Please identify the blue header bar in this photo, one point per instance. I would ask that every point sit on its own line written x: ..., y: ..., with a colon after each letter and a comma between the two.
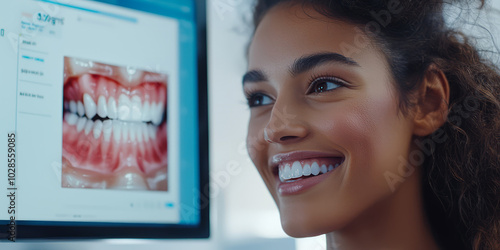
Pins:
x: 109, y: 14
x: 178, y: 9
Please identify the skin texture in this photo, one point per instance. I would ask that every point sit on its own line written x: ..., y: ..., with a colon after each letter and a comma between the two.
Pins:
x: 355, y: 205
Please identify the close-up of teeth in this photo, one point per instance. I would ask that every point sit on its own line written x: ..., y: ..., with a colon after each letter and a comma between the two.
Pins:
x: 126, y: 109
x: 121, y: 131
x: 298, y: 170
x: 114, y: 126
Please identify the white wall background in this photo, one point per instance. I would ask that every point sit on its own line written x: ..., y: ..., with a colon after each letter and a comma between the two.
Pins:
x: 243, y: 213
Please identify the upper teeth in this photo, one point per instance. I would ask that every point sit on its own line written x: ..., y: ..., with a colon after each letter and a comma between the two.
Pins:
x: 127, y: 109
x: 296, y: 170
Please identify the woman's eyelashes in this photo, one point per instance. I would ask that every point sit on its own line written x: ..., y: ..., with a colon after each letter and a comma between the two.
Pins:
x: 325, y: 84
x: 317, y: 85
x: 258, y: 99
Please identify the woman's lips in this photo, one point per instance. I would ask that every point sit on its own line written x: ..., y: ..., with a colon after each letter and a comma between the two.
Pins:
x: 300, y: 185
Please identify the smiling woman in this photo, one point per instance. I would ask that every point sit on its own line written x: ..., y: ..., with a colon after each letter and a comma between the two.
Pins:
x: 372, y: 122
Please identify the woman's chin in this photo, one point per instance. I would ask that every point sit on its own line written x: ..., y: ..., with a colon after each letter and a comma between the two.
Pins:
x: 304, y: 226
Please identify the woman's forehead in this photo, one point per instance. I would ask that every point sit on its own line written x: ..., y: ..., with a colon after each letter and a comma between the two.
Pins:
x: 289, y: 32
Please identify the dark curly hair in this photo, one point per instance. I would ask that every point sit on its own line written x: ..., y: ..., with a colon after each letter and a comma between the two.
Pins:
x: 461, y: 180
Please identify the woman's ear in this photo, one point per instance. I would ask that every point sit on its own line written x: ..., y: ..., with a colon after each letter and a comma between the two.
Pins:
x: 432, y: 103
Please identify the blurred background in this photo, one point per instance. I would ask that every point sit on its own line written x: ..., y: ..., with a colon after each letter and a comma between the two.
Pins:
x: 243, y: 215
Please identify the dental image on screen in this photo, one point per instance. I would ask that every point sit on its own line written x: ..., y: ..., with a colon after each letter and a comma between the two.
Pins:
x: 114, y: 127
x: 103, y: 102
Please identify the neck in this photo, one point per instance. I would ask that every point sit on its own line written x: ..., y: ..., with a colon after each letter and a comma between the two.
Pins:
x: 398, y: 222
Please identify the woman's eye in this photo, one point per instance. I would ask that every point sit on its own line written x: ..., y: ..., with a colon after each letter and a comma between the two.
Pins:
x: 324, y: 85
x: 258, y: 99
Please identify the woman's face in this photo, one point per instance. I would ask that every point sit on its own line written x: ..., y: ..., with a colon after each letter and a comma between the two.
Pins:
x: 319, y: 99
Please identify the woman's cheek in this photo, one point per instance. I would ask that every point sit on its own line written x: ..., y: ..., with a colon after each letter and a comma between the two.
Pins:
x: 256, y: 145
x: 375, y: 139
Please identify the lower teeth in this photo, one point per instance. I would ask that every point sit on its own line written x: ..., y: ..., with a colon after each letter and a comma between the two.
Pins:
x: 300, y: 178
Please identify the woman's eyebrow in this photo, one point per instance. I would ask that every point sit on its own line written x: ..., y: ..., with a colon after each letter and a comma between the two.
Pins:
x: 254, y: 76
x: 303, y: 64
x: 308, y: 62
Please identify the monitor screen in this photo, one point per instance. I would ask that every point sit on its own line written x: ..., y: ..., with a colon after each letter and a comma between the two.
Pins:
x: 104, y: 119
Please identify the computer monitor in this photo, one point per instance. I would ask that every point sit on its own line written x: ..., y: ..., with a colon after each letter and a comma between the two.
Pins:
x: 104, y: 119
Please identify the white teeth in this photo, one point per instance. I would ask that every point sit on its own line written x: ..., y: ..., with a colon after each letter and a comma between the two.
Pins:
x: 117, y: 129
x: 152, y: 131
x: 124, y: 104
x: 307, y: 170
x: 296, y: 170
x: 157, y: 113
x: 132, y: 109
x: 287, y: 173
x: 90, y: 106
x: 136, y: 112
x: 80, y: 109
x: 107, y: 128
x: 121, y: 131
x: 324, y: 169
x: 315, y: 168
x: 138, y: 131
x: 102, y: 107
x: 152, y: 111
x: 112, y: 109
x: 71, y: 118
x: 97, y: 128
x: 146, y: 112
x: 124, y: 131
x: 125, y: 109
x: 88, y: 126
x: 132, y: 131
x: 80, y: 124
x: 72, y: 106
x: 145, y: 132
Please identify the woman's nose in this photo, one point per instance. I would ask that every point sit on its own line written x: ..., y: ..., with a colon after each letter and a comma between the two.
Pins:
x: 284, y: 126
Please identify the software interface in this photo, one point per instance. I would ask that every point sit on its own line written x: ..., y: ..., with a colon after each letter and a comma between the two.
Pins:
x: 98, y: 112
